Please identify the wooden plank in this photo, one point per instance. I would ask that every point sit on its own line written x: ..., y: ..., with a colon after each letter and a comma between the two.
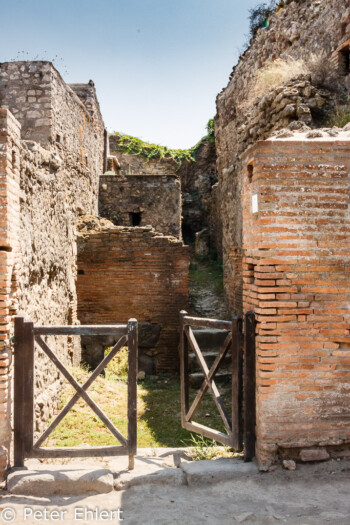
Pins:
x: 132, y: 390
x: 198, y: 322
x: 19, y: 394
x: 210, y: 382
x: 82, y: 330
x: 122, y: 341
x: 249, y: 386
x: 237, y: 384
x: 23, y: 390
x: 76, y: 452
x: 28, y: 356
x: 82, y: 392
x: 184, y: 371
x: 209, y: 433
x: 214, y: 368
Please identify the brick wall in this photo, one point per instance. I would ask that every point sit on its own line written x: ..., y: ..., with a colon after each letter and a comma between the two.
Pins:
x: 296, y: 271
x: 9, y: 226
x: 157, y: 200
x: 134, y: 272
x: 299, y: 30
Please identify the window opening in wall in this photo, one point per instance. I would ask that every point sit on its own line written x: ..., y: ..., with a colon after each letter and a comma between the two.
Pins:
x: 135, y: 218
x: 81, y: 272
x: 13, y: 159
x: 344, y: 60
x: 250, y: 169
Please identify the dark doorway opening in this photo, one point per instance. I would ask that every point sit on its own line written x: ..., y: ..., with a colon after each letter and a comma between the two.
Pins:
x: 135, y: 218
x: 345, y: 60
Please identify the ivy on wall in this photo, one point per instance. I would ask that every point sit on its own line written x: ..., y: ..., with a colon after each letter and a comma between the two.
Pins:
x: 136, y: 146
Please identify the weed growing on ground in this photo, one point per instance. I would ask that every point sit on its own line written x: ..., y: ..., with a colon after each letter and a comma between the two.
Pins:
x: 201, y: 448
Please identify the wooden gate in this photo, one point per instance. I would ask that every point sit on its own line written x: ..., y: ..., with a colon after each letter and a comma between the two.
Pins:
x: 240, y: 425
x: 26, y: 335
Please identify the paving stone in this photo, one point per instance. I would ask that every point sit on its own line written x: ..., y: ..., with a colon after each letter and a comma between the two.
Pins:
x: 213, y: 471
x: 63, y: 481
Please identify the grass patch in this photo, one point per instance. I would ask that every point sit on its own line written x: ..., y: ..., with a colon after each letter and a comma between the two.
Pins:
x: 159, y: 413
x: 207, y: 273
x: 341, y: 117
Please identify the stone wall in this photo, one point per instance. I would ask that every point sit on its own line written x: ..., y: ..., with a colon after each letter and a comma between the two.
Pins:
x: 197, y: 180
x: 296, y: 269
x: 48, y: 110
x: 45, y: 190
x: 134, y: 272
x: 142, y: 200
x: 199, y: 206
x: 297, y: 30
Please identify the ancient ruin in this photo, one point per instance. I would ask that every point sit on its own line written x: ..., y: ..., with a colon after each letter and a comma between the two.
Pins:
x: 86, y: 221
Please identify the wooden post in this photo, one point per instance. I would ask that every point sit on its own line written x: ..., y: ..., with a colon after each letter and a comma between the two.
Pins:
x: 184, y: 379
x: 249, y: 386
x: 23, y: 390
x: 237, y: 383
x: 132, y: 390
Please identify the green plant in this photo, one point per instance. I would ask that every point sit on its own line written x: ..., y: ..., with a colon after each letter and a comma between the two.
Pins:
x: 136, y: 146
x: 118, y: 367
x: 210, y: 127
x: 201, y: 448
x: 341, y: 116
x: 259, y: 16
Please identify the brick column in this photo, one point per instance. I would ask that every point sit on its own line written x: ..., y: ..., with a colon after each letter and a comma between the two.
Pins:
x: 9, y: 226
x: 296, y: 269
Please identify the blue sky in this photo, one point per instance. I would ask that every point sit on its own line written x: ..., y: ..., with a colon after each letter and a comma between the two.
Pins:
x: 157, y: 64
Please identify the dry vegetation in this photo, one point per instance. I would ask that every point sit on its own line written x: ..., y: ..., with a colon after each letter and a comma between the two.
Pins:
x: 324, y: 74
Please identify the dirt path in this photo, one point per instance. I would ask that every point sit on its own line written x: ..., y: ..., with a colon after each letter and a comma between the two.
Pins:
x: 206, y: 290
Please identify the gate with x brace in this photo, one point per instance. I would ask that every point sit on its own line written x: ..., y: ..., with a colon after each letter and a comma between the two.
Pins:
x: 239, y: 425
x: 27, y: 336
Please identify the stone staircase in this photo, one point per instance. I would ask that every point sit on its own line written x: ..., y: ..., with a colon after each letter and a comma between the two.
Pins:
x: 210, y: 342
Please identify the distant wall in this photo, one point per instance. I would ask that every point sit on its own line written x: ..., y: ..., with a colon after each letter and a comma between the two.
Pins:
x: 147, y: 199
x: 296, y: 268
x: 197, y: 180
x: 135, y: 272
x: 138, y: 164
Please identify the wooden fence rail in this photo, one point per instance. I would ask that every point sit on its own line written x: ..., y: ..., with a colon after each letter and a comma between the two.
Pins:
x: 26, y: 335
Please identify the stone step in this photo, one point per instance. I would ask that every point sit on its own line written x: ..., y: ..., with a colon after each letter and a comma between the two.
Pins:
x: 196, y: 378
x: 209, y: 338
x: 209, y: 359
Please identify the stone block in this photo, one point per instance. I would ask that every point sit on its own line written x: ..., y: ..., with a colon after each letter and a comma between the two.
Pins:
x: 65, y: 481
x: 314, y: 454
